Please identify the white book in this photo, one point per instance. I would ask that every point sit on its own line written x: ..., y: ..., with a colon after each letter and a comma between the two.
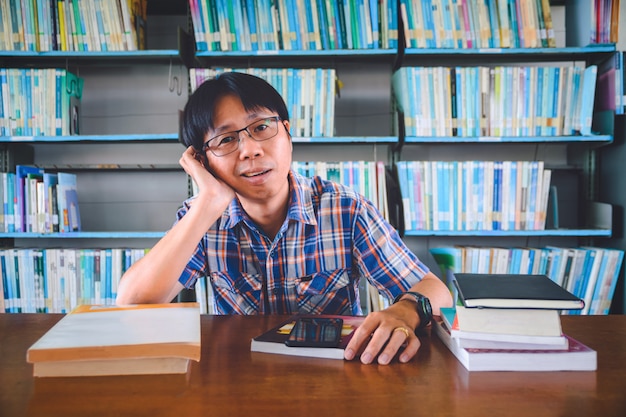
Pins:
x: 112, y: 340
x: 509, y: 325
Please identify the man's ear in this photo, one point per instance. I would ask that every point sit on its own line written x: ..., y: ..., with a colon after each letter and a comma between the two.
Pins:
x: 287, y: 126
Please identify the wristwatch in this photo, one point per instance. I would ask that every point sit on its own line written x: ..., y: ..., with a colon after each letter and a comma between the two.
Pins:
x: 424, y: 309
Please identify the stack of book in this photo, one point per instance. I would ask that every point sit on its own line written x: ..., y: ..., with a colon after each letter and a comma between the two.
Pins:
x: 512, y: 323
x: 139, y: 339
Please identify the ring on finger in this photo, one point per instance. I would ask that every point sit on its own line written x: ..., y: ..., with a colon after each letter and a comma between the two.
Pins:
x: 404, y: 330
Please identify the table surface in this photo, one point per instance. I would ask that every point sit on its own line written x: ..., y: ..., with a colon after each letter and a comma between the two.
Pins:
x: 232, y: 381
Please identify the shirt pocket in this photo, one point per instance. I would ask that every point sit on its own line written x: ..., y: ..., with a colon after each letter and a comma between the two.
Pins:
x: 325, y: 292
x: 237, y: 293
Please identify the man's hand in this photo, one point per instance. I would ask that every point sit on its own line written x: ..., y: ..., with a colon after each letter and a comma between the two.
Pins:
x: 384, y: 334
x: 195, y: 166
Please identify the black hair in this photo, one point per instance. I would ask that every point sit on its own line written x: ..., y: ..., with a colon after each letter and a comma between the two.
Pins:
x: 255, y: 93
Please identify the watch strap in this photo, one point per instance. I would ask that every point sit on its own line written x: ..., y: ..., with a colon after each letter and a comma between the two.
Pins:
x: 424, y: 309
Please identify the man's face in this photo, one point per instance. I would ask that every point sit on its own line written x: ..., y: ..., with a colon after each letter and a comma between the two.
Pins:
x: 256, y: 170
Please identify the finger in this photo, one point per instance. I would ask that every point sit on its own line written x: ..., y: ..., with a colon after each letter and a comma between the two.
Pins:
x: 184, y: 158
x: 360, y: 336
x: 400, y: 339
x: 410, y: 350
x: 375, y: 345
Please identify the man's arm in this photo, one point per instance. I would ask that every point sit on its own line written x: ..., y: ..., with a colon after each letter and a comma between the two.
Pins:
x: 154, y: 278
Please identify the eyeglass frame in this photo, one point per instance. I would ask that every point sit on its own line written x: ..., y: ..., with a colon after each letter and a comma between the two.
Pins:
x: 205, y: 145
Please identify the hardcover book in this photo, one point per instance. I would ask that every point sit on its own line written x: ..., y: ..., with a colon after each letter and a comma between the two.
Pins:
x: 273, y: 341
x: 514, y: 291
x: 110, y: 340
x: 499, y: 328
x: 577, y: 357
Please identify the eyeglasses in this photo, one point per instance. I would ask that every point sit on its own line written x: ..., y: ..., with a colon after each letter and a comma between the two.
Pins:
x: 227, y: 143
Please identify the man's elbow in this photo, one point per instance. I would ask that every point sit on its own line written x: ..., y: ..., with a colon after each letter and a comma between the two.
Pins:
x: 123, y: 297
x: 127, y: 294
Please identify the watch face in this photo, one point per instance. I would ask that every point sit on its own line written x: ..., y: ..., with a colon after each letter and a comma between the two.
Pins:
x: 427, y: 307
x: 425, y: 311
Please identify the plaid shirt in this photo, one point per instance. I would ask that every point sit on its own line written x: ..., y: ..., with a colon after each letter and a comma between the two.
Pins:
x: 331, y: 238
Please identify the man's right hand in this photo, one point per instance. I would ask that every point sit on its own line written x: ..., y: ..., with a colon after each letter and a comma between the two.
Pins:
x: 205, y: 180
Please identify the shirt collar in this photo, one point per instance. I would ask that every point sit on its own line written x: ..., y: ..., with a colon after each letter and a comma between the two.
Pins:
x: 300, y: 204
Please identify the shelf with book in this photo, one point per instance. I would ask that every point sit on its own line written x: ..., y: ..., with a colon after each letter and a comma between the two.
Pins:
x: 124, y: 156
x: 156, y: 137
x: 572, y: 157
x: 128, y: 116
x: 365, y: 72
x: 342, y: 54
x: 343, y: 140
x: 582, y: 233
x: 77, y: 56
x: 83, y: 235
x: 49, y: 59
x: 559, y: 53
x: 596, y: 139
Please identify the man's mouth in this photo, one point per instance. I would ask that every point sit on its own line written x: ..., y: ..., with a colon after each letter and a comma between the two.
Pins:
x: 255, y: 173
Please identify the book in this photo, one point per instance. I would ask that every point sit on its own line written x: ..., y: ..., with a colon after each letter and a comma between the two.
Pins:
x: 583, y: 15
x: 527, y: 329
x: 577, y: 357
x: 21, y: 197
x: 273, y: 340
x: 514, y: 291
x: 127, y: 340
x: 68, y: 210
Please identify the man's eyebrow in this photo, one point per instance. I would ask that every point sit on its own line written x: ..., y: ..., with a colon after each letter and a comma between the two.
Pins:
x: 225, y: 128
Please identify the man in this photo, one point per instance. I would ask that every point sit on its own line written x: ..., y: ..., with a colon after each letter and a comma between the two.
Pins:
x: 273, y: 242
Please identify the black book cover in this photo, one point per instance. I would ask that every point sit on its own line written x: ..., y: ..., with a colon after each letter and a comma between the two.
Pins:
x: 514, y: 291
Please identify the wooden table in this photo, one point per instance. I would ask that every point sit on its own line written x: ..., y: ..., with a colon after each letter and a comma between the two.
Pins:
x: 232, y: 381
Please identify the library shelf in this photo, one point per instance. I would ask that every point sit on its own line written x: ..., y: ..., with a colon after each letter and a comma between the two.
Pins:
x: 106, y: 58
x: 514, y: 233
x: 345, y: 139
x: 151, y: 137
x: 602, y: 139
x: 83, y: 235
x: 542, y: 53
x: 143, y: 53
x: 340, y: 53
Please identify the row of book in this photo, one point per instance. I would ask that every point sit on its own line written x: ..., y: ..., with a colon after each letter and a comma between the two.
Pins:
x: 365, y: 177
x: 57, y: 280
x: 513, y: 101
x: 37, y: 201
x: 308, y: 93
x: 596, y: 22
x: 264, y: 25
x: 496, y: 101
x: 506, y: 322
x: 590, y: 273
x: 73, y: 25
x: 39, y: 102
x: 474, y: 195
x: 477, y: 24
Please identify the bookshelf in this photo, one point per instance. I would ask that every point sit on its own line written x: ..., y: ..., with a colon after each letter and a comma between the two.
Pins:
x: 585, y: 217
x: 150, y: 86
x: 130, y: 103
x: 126, y: 154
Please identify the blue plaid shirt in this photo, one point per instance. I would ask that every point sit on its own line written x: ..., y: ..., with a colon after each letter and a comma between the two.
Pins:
x: 332, y: 237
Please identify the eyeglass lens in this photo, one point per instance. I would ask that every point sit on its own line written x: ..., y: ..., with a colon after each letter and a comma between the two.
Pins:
x: 259, y: 130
